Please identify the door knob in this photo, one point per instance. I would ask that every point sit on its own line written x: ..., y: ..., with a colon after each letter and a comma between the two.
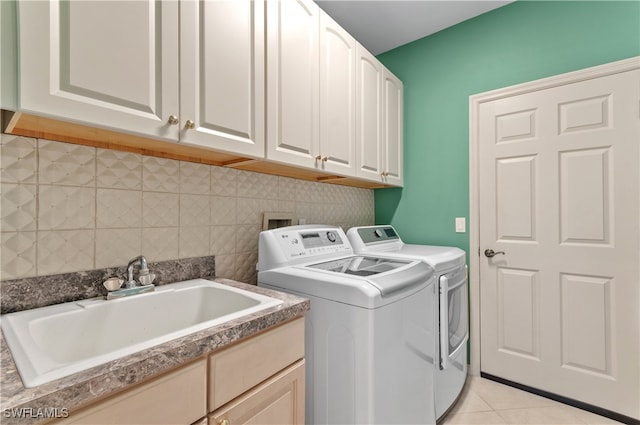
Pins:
x: 491, y: 253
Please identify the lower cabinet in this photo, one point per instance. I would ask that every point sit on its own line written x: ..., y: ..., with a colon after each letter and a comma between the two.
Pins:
x: 178, y: 397
x: 257, y: 380
x: 279, y: 400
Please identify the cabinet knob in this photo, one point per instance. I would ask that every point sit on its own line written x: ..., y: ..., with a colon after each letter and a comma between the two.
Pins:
x: 318, y: 157
x: 325, y: 159
x: 384, y: 173
x: 224, y: 422
x: 173, y: 120
x: 189, y: 124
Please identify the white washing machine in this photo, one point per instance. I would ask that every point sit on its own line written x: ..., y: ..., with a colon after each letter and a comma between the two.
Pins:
x: 450, y: 267
x: 369, y: 341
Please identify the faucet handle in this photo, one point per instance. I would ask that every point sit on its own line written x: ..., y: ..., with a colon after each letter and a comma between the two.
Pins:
x: 146, y: 279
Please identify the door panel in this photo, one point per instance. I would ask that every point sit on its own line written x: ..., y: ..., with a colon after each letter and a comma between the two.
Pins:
x: 292, y: 81
x: 559, y: 194
x: 337, y: 98
x: 222, y: 75
x: 108, y: 64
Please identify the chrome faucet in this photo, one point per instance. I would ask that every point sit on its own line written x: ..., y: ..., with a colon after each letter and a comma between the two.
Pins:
x: 131, y: 286
x: 143, y: 273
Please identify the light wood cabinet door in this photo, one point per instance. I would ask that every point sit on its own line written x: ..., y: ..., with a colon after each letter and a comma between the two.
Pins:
x: 237, y: 369
x: 179, y: 397
x: 369, y: 135
x: 292, y: 81
x: 337, y: 98
x: 392, y: 123
x: 279, y: 400
x: 222, y: 75
x: 104, y: 63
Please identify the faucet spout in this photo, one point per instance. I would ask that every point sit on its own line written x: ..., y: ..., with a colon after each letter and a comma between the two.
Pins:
x: 144, y: 270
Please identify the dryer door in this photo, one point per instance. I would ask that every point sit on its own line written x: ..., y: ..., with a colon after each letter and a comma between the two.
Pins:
x: 454, y: 324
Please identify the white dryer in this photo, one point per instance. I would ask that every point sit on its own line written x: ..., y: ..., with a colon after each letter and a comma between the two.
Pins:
x: 450, y: 267
x: 369, y: 341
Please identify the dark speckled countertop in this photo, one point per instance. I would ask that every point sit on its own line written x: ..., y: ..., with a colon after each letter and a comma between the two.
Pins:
x: 82, y: 388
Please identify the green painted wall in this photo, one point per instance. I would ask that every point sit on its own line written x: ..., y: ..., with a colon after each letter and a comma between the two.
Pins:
x: 520, y: 42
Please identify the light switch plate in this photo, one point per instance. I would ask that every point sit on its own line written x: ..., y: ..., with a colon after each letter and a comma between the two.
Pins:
x: 461, y: 225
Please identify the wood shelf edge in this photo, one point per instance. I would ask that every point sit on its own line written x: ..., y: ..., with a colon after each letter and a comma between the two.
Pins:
x: 28, y: 125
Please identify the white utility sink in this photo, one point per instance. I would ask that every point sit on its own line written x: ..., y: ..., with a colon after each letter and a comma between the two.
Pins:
x: 52, y: 342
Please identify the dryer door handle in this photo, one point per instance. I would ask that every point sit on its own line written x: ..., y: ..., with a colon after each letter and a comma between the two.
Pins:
x: 444, y: 322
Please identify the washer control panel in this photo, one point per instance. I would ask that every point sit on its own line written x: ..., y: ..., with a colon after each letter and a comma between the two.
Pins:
x: 312, y: 242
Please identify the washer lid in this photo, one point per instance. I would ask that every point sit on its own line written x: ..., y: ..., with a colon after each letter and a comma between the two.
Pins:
x: 383, y: 273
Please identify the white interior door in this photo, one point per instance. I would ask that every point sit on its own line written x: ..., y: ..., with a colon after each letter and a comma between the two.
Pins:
x: 558, y: 193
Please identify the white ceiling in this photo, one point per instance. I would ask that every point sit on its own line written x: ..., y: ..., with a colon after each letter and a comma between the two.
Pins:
x: 381, y: 25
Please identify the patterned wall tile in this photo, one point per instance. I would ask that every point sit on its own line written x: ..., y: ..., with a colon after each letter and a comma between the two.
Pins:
x: 249, y: 211
x: 18, y: 159
x: 223, y: 210
x: 311, y: 212
x: 307, y: 191
x: 287, y: 188
x: 62, y: 251
x: 17, y: 255
x: 195, y: 178
x: 226, y: 266
x: 223, y: 240
x: 193, y: 241
x: 18, y: 207
x: 66, y: 207
x: 66, y: 164
x: 160, y: 174
x: 118, y: 208
x: 96, y: 191
x: 119, y: 170
x: 160, y: 244
x: 256, y: 185
x: 195, y: 210
x: 160, y: 209
x: 247, y: 238
x: 224, y: 181
x: 246, y: 267
x: 115, y: 247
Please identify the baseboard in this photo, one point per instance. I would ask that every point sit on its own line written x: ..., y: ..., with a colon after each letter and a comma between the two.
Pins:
x: 571, y: 402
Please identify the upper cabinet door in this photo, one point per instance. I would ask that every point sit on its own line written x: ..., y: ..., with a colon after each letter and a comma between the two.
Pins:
x: 369, y: 136
x: 222, y: 75
x: 393, y: 129
x: 337, y: 98
x: 292, y: 81
x: 103, y: 63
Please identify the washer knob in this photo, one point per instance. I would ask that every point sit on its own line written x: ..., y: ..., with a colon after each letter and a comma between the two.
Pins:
x: 331, y: 236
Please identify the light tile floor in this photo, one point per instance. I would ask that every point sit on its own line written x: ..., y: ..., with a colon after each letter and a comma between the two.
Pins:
x: 487, y: 402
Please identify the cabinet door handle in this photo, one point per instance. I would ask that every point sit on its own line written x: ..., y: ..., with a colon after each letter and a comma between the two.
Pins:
x: 173, y: 120
x: 224, y: 422
x: 325, y: 158
x: 189, y: 124
x: 318, y: 157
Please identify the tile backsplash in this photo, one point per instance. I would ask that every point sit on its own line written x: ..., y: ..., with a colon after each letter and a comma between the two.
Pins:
x: 67, y: 208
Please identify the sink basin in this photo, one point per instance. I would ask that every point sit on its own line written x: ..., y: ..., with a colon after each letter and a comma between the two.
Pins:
x: 56, y: 341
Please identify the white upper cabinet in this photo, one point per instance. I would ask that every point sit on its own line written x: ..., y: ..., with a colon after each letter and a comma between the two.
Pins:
x: 379, y: 135
x: 109, y: 64
x: 369, y: 117
x: 392, y: 124
x: 337, y: 98
x: 292, y: 81
x: 114, y: 64
x: 222, y: 75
